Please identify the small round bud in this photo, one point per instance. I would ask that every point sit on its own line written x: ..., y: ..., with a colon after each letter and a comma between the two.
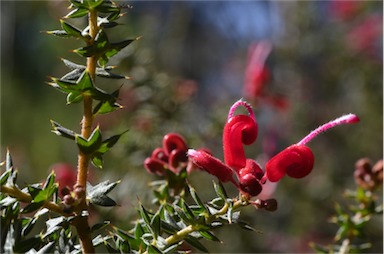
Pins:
x: 68, y: 200
x: 79, y: 191
x: 270, y: 205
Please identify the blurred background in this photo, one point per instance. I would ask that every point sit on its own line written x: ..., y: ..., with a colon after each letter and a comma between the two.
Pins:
x: 299, y: 63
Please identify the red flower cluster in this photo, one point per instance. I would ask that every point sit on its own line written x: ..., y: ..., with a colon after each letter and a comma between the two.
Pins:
x: 172, y: 156
x: 295, y: 161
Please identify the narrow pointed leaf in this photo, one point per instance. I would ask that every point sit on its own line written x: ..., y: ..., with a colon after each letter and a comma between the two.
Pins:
x: 49, y: 181
x: 77, y: 13
x: 220, y: 191
x: 145, y: 216
x: 62, y: 131
x: 209, y: 236
x: 71, y: 30
x: 32, y: 207
x: 195, y: 243
x: 4, y: 177
x: 196, y: 198
x: 156, y: 224
x: 8, y: 161
x: 97, y: 161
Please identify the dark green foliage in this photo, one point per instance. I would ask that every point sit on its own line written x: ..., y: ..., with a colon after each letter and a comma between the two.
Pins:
x: 98, y: 194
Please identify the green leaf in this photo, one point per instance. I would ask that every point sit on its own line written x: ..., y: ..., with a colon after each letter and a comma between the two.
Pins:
x: 77, y: 3
x: 187, y: 211
x: 28, y: 224
x: 4, y: 177
x: 77, y: 13
x: 71, y: 30
x: 145, y: 216
x: 220, y: 191
x: 195, y: 243
x: 61, y: 131
x: 59, y: 33
x: 97, y: 161
x: 109, y: 248
x: 82, y: 87
x: 123, y: 246
x: 152, y: 249
x: 246, y: 226
x: 93, y: 4
x: 8, y: 161
x: 139, y: 231
x: 98, y: 194
x: 50, y: 181
x: 74, y: 97
x: 78, y: 69
x: 54, y: 225
x: 105, y: 107
x: 156, y: 224
x: 109, y: 143
x: 32, y: 207
x: 196, y: 198
x: 102, y: 48
x: 90, y: 145
x: 108, y: 104
x: 209, y: 236
x: 183, y: 215
x: 25, y: 245
x: 108, y: 7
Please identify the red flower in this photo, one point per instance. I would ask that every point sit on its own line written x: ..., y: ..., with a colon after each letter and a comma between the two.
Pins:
x: 238, y: 130
x: 295, y: 161
x: 257, y: 76
x: 170, y: 156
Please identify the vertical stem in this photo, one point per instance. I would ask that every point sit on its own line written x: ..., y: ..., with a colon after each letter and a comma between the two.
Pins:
x: 81, y: 222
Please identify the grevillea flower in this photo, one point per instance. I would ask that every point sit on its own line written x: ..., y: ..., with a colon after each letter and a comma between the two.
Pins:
x: 297, y: 160
x: 246, y: 174
x: 239, y: 130
x: 169, y: 156
x: 257, y: 76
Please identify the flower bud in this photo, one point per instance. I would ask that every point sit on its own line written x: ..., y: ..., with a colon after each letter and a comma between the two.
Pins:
x: 270, y: 205
x: 174, y: 141
x: 68, y: 200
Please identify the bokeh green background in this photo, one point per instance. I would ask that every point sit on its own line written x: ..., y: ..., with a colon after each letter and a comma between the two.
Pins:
x: 187, y: 70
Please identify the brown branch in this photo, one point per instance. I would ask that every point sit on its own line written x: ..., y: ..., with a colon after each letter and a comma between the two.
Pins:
x: 81, y: 222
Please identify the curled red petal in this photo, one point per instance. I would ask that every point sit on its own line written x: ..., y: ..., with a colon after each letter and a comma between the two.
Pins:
x: 211, y: 164
x: 238, y: 130
x: 176, y: 157
x: 159, y: 153
x: 154, y: 166
x: 296, y: 161
x: 174, y: 141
